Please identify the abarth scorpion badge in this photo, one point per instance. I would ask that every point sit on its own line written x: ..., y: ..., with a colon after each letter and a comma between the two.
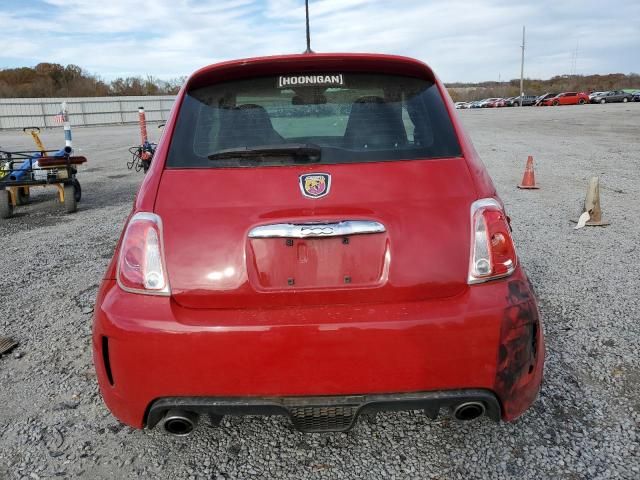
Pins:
x: 315, y: 185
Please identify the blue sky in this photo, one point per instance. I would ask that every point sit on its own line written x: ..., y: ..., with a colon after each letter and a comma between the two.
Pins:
x: 462, y: 40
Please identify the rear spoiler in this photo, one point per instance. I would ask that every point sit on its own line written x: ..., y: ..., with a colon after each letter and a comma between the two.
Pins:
x: 304, y: 63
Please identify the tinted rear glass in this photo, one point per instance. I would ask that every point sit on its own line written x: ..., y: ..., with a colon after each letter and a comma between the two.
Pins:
x: 351, y: 117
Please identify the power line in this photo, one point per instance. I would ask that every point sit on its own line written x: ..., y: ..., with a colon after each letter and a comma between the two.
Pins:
x: 522, y: 71
x: 574, y: 60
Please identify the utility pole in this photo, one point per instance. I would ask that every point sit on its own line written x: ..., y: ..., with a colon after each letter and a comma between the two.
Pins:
x: 522, y: 71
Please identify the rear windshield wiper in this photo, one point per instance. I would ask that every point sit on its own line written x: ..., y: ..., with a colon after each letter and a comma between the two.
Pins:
x: 307, y: 152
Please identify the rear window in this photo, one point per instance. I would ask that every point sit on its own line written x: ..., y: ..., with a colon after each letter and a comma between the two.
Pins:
x: 346, y: 117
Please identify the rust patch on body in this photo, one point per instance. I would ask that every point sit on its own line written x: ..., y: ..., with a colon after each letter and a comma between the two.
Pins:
x: 518, y: 350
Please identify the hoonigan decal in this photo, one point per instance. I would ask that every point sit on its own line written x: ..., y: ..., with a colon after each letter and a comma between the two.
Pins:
x: 318, y: 79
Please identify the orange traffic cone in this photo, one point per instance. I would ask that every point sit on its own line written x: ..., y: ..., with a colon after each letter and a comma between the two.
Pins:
x: 529, y: 177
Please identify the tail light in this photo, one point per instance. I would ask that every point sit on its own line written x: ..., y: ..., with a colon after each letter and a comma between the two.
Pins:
x: 493, y: 254
x: 141, y: 265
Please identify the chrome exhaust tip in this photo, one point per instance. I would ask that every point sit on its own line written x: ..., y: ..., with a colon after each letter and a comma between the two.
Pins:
x: 179, y: 422
x: 469, y: 411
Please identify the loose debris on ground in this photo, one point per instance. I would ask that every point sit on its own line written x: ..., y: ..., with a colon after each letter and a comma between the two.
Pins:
x: 585, y: 425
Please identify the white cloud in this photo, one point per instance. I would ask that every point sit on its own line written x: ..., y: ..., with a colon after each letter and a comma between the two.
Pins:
x: 462, y: 39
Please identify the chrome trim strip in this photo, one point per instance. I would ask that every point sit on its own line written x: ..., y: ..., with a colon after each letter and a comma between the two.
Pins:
x: 311, y: 230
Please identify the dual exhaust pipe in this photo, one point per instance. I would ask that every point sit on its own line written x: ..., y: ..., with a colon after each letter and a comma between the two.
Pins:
x: 181, y: 423
x: 469, y: 411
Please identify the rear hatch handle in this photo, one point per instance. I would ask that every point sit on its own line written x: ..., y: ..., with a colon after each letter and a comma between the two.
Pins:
x: 309, y: 230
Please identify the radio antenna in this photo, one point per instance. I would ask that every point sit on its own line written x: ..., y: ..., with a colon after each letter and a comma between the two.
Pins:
x: 306, y: 6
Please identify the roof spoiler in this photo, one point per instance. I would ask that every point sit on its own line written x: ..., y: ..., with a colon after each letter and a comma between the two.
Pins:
x: 303, y: 63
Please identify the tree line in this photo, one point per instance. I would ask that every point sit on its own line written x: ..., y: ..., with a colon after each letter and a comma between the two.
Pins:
x: 54, y: 80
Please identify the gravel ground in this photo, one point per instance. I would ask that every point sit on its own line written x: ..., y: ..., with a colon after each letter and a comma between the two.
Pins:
x: 585, y: 423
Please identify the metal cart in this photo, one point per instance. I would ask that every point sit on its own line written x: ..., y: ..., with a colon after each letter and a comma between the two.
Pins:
x: 22, y: 171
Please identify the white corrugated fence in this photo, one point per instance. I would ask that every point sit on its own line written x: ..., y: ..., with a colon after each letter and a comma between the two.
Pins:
x: 83, y: 111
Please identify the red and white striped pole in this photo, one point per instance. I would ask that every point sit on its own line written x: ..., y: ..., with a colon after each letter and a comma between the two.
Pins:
x: 67, y: 126
x: 142, y: 120
x: 145, y: 154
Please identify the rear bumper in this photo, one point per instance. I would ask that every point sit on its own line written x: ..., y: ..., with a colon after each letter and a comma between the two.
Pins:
x: 323, y: 414
x: 149, y: 348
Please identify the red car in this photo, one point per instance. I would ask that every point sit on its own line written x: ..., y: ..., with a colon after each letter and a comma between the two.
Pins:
x: 316, y: 237
x: 567, y: 98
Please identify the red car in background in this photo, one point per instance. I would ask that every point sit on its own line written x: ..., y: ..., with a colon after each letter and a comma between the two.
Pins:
x: 316, y: 237
x: 567, y: 98
x: 492, y: 103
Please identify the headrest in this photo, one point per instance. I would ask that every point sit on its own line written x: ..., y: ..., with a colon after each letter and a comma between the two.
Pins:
x: 373, y: 123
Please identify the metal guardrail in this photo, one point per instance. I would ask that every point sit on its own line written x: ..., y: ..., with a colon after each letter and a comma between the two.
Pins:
x: 17, y: 113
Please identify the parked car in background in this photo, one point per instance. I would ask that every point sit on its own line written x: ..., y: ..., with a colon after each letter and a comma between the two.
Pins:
x: 475, y: 104
x: 614, y: 96
x: 488, y: 102
x: 460, y: 105
x: 595, y: 94
x: 567, y: 98
x: 636, y: 96
x: 527, y: 100
x: 542, y: 98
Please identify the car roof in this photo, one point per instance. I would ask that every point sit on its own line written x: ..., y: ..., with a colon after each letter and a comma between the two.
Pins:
x: 308, y: 62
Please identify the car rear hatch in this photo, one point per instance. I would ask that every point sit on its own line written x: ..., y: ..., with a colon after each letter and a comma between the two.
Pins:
x: 253, y: 218
x: 213, y: 262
